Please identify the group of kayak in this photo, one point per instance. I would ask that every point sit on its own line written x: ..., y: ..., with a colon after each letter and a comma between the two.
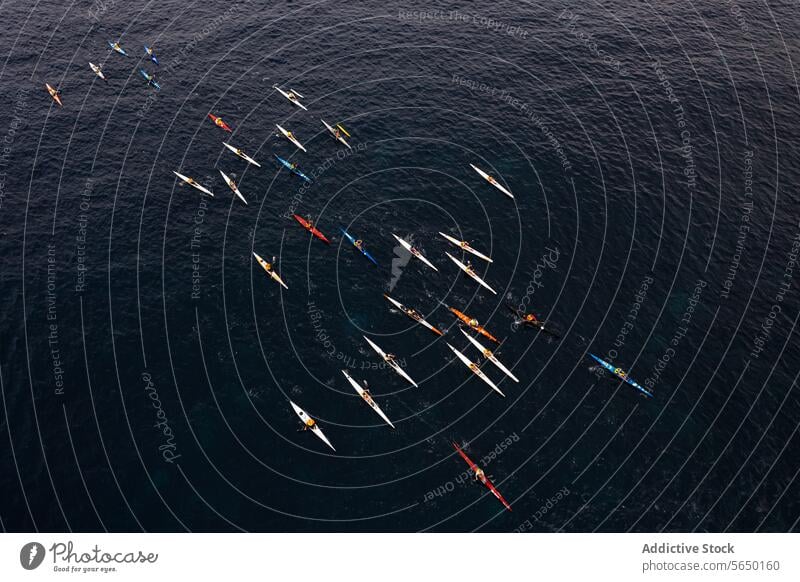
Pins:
x: 97, y: 70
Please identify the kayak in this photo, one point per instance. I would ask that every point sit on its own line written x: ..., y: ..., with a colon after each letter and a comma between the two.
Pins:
x: 54, y: 94
x: 311, y: 228
x: 362, y: 249
x: 336, y: 135
x: 480, y: 476
x: 464, y: 245
x: 98, y: 71
x: 622, y: 375
x: 470, y: 272
x: 531, y: 322
x: 290, y: 136
x: 414, y: 252
x: 241, y: 154
x: 490, y: 356
x: 413, y: 314
x: 151, y: 80
x: 270, y: 269
x: 395, y: 366
x: 310, y: 423
x: 219, y: 123
x: 476, y: 370
x: 292, y: 96
x: 232, y: 185
x: 367, y: 397
x: 292, y: 168
x: 193, y: 183
x: 149, y: 52
x: 116, y: 47
x: 492, y: 181
x: 473, y: 324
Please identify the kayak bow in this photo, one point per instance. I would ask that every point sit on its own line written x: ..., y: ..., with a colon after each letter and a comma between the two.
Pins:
x: 480, y: 476
x: 394, y: 365
x: 475, y: 370
x: 367, y: 397
x: 310, y: 424
x: 622, y: 375
x: 464, y: 245
x: 414, y: 252
x: 469, y: 271
x: 413, y: 314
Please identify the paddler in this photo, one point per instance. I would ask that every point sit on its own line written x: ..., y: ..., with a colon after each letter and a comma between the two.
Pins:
x: 390, y: 358
x: 473, y: 323
x: 480, y: 475
x: 219, y: 122
x: 309, y: 424
x: 359, y: 244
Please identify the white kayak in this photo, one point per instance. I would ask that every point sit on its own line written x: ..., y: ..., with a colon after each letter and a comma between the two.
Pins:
x: 492, y: 181
x: 232, y: 185
x: 98, y: 71
x: 336, y: 136
x: 311, y: 424
x: 475, y: 370
x: 241, y: 154
x: 292, y: 96
x: 192, y: 182
x: 395, y: 366
x: 414, y: 252
x: 464, y: 245
x: 470, y: 272
x: 413, y: 314
x: 290, y: 136
x: 270, y: 269
x: 367, y: 397
x: 489, y: 356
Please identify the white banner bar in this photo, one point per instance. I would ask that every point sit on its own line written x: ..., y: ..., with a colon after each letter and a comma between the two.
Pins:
x: 395, y: 557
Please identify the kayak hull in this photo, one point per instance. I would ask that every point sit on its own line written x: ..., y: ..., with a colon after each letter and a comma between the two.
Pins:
x: 312, y: 229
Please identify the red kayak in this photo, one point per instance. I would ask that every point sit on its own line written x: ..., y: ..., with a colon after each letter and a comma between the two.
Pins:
x: 311, y: 228
x: 218, y: 121
x: 481, y: 477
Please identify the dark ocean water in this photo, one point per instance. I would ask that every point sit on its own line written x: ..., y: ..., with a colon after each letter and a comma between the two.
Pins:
x: 652, y: 151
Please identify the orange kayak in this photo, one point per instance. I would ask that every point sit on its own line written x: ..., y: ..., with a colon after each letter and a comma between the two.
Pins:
x: 218, y: 122
x: 473, y: 324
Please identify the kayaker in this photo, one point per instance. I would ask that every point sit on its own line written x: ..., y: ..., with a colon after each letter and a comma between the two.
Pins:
x: 359, y: 244
x: 473, y: 322
x: 310, y: 423
x: 390, y: 358
x: 219, y: 122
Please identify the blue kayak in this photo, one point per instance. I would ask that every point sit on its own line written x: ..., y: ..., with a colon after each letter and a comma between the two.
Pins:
x: 150, y: 79
x: 149, y: 52
x: 292, y: 168
x: 363, y: 251
x: 619, y: 373
x: 117, y: 48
